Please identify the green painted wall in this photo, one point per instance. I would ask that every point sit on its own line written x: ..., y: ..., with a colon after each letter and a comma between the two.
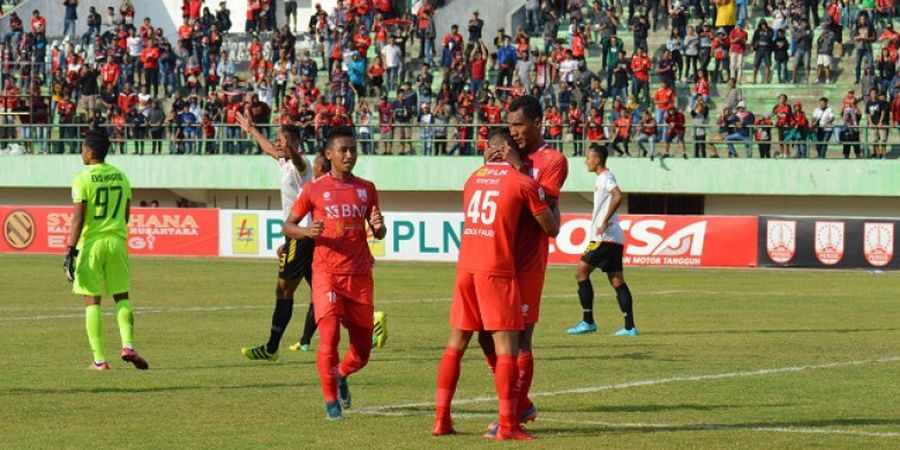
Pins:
x: 398, y: 173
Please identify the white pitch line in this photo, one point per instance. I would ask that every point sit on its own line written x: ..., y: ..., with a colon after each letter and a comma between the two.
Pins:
x: 660, y: 426
x: 164, y: 310
x: 726, y: 427
x: 642, y: 383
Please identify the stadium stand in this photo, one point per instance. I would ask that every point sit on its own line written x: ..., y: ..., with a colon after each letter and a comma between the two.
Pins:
x: 624, y: 72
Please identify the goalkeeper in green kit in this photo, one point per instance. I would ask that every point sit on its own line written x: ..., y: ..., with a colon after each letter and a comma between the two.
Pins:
x: 97, y: 258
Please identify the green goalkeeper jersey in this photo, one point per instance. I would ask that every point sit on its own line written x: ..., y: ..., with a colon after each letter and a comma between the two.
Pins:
x: 106, y: 192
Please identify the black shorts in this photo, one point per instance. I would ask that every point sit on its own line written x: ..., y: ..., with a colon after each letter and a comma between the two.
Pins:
x: 606, y: 256
x: 290, y: 7
x: 296, y: 259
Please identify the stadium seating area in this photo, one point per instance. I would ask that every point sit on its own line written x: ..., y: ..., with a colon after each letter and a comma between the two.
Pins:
x: 637, y: 74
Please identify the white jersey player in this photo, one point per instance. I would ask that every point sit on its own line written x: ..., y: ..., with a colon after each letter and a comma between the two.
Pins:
x: 605, y: 249
x: 295, y: 256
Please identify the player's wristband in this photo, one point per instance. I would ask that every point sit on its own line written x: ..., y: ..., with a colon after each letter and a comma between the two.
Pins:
x: 72, y: 251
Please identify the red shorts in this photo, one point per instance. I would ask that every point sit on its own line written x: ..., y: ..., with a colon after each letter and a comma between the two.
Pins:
x: 348, y: 297
x: 486, y: 302
x: 531, y: 286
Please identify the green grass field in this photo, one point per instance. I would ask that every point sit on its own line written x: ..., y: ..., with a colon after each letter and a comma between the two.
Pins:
x: 726, y: 359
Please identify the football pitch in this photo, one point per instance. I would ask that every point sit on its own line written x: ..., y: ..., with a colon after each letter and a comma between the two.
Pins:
x: 726, y: 359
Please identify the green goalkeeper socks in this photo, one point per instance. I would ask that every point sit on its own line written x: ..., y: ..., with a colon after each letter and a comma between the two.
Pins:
x: 93, y: 321
x: 125, y: 319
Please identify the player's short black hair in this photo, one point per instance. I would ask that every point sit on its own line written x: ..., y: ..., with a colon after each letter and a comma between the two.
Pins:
x: 291, y: 130
x: 501, y: 132
x: 338, y: 132
x: 529, y: 105
x: 601, y: 150
x: 97, y: 140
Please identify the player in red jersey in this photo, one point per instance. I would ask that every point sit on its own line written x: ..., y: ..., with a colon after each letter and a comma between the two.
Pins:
x: 342, y: 289
x: 486, y: 295
x: 549, y: 168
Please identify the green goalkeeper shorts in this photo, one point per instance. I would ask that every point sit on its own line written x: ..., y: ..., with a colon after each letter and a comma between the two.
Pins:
x: 102, y: 267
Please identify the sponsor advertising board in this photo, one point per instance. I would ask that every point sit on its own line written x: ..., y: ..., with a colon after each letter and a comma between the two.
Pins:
x: 258, y: 233
x: 652, y: 240
x: 151, y: 231
x: 827, y: 242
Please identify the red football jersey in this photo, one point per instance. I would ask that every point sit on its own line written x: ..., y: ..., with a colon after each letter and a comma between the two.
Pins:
x: 493, y: 201
x: 549, y: 168
x: 344, y: 206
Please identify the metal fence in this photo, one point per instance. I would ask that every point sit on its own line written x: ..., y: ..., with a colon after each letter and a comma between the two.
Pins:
x: 454, y: 139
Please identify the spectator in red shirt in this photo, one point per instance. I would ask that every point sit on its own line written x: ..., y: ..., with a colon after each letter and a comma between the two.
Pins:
x: 150, y: 60
x: 700, y: 89
x: 127, y: 98
x: 640, y: 68
x: 738, y: 40
x: 675, y: 130
x: 595, y: 125
x: 664, y: 98
x: 575, y: 121
x: 38, y: 23
x: 65, y: 108
x: 477, y: 65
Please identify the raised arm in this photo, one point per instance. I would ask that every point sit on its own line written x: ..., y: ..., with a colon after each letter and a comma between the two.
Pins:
x: 248, y: 127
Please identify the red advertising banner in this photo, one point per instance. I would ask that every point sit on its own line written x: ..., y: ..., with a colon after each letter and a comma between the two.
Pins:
x: 668, y: 240
x: 151, y: 231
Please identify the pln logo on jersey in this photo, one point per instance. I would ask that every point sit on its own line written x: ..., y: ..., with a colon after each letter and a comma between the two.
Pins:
x: 245, y: 234
x: 326, y: 195
x: 829, y: 240
x: 363, y: 195
x: 781, y: 240
x: 878, y: 243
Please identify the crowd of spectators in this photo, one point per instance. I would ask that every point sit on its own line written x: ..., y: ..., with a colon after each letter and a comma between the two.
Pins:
x: 371, y: 64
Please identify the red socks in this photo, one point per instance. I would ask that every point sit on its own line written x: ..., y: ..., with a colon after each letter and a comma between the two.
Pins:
x: 327, y: 357
x: 360, y: 348
x: 448, y: 377
x: 525, y: 376
x: 505, y: 379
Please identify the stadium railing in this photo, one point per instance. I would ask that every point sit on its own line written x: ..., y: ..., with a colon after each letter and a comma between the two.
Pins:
x: 63, y: 138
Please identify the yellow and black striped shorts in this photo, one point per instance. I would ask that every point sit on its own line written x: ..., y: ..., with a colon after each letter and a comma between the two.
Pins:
x: 296, y: 259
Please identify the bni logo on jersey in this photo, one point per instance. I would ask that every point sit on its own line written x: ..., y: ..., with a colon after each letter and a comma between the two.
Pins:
x: 878, y: 243
x: 245, y: 234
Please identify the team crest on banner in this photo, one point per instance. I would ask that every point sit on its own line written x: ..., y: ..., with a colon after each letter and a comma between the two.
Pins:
x: 363, y: 195
x: 781, y: 240
x: 829, y: 242
x: 878, y: 243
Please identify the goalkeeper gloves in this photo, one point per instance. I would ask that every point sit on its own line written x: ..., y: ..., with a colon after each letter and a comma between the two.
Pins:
x: 69, y: 263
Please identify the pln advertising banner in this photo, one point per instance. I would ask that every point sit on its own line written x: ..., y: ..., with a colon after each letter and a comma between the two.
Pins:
x: 827, y: 242
x: 151, y: 231
x: 651, y: 240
